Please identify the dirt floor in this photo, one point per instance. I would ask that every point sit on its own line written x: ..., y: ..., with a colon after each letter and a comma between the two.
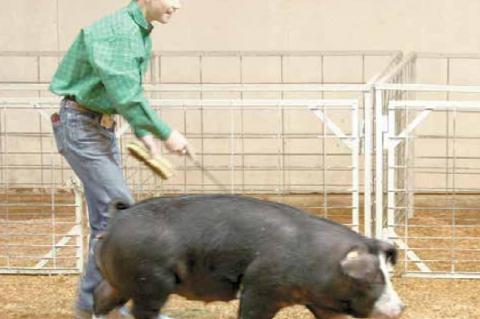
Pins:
x: 51, y: 297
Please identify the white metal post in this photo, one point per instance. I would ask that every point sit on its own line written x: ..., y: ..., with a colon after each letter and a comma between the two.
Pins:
x: 391, y: 192
x: 378, y: 163
x: 355, y: 168
x: 78, y: 222
x: 367, y: 191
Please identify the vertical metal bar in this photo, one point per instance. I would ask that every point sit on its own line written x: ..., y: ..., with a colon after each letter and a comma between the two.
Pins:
x: 363, y: 68
x: 159, y: 62
x: 367, y: 193
x: 281, y: 150
x: 406, y: 156
x: 391, y: 191
x: 42, y: 180
x: 185, y: 162
x: 322, y: 79
x: 355, y: 169
x: 54, y: 237
x: 78, y: 223
x: 202, y: 146
x: 454, y: 195
x: 449, y: 192
x: 282, y: 129
x: 412, y: 77
x: 378, y: 164
x: 7, y: 188
x: 52, y: 190
x: 2, y: 152
x: 202, y: 119
x: 232, y: 147
x: 324, y: 159
x: 242, y: 128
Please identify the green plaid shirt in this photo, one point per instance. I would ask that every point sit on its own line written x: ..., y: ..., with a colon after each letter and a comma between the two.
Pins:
x: 104, y: 67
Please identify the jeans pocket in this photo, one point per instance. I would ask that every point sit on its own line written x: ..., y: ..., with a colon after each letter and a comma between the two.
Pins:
x: 58, y: 132
x: 85, y: 136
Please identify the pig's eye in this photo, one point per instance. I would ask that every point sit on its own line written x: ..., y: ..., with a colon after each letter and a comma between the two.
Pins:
x: 379, y: 279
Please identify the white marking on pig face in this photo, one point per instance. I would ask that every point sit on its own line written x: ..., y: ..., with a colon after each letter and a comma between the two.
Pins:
x: 389, y: 305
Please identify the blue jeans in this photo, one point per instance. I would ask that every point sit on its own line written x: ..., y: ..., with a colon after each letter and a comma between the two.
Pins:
x: 92, y: 152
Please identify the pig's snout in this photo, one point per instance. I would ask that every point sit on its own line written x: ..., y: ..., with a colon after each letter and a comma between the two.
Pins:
x: 389, y: 305
x: 391, y: 308
x: 393, y: 313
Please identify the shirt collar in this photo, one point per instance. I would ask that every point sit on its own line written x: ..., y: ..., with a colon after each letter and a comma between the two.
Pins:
x: 137, y: 16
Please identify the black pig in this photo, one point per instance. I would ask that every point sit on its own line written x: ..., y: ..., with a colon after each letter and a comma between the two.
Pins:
x: 220, y: 247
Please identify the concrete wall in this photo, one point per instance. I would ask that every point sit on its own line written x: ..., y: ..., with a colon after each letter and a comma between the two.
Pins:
x: 419, y: 25
x: 287, y: 25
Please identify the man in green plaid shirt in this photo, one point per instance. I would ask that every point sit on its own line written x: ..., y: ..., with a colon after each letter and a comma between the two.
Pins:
x: 100, y: 75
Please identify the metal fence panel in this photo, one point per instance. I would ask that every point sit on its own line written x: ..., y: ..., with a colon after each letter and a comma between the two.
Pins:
x: 427, y: 160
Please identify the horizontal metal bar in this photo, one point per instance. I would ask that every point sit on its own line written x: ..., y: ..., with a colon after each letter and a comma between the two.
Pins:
x: 427, y: 87
x: 246, y: 188
x: 270, y: 186
x: 59, y: 246
x: 442, y: 275
x: 194, y: 87
x: 444, y: 261
x: 446, y: 250
x: 450, y: 172
x: 439, y: 137
x: 234, y: 53
x: 441, y: 190
x: 36, y: 205
x: 434, y: 105
x: 34, y: 235
x: 437, y: 55
x: 44, y: 271
x: 253, y: 168
x: 262, y: 87
x: 439, y: 238
x: 25, y: 102
x: 416, y: 225
x: 23, y: 257
x: 33, y: 222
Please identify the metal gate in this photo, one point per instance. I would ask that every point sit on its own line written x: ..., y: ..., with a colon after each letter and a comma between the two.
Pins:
x: 428, y: 146
x: 40, y: 206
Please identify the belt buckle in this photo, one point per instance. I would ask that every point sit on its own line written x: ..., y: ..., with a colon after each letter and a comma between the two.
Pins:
x: 107, y: 121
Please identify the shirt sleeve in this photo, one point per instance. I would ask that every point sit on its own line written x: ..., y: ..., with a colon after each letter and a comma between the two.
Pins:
x: 118, y: 66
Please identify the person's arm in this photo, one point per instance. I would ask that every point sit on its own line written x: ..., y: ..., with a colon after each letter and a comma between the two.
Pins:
x: 116, y: 62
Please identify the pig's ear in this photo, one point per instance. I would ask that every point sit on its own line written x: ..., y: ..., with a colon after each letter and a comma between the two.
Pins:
x: 116, y: 205
x: 389, y: 250
x: 360, y: 265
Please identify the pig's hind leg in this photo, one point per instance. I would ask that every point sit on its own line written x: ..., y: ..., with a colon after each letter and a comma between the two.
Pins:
x: 106, y: 298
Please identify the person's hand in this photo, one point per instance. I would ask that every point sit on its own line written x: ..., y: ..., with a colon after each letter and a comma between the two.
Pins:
x: 151, y: 143
x: 176, y: 143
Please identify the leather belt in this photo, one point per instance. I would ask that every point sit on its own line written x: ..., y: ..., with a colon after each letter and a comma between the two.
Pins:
x: 105, y: 120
